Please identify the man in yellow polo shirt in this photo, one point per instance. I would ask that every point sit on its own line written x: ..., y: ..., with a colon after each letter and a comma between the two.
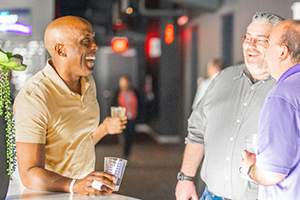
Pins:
x: 57, y: 115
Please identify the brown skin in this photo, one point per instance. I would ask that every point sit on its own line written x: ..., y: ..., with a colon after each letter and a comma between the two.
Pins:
x: 70, y: 42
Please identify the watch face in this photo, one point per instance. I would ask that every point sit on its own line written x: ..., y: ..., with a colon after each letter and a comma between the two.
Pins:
x: 180, y: 176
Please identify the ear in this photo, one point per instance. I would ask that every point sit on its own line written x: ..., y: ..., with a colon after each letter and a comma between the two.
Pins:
x: 285, y: 53
x: 60, y: 50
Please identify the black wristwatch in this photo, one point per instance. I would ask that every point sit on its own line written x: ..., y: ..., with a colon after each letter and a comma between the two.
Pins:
x: 249, y: 172
x: 181, y: 177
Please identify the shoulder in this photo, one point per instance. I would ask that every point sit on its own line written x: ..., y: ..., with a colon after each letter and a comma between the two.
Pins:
x: 35, y: 83
x: 233, y: 71
x: 229, y: 74
x: 35, y: 90
x: 288, y: 89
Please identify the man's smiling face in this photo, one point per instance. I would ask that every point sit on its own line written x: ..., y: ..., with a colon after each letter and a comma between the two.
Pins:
x: 254, y: 51
x: 81, y: 49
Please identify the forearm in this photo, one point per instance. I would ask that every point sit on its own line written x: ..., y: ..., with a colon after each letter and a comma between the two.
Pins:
x: 111, y: 125
x: 193, y: 155
x: 31, y: 162
x: 100, y: 132
x: 264, y: 177
x: 41, y: 179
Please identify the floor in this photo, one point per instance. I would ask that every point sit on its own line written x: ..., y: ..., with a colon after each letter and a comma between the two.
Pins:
x: 152, y: 168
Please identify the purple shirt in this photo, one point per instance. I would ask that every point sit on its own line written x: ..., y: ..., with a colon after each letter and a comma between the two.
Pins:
x: 278, y: 138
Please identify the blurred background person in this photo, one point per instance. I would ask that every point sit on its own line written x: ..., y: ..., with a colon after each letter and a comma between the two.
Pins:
x: 214, y: 66
x: 127, y: 97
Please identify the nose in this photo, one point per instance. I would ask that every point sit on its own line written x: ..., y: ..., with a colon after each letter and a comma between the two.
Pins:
x: 252, y: 43
x: 94, y: 46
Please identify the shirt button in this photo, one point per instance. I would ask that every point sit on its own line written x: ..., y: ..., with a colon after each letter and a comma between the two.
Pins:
x: 238, y: 121
x: 227, y: 158
x: 231, y: 139
x: 252, y: 88
x: 226, y: 178
x: 245, y: 104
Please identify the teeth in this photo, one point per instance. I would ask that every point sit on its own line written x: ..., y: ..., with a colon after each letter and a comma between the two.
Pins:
x: 252, y: 54
x: 90, y: 58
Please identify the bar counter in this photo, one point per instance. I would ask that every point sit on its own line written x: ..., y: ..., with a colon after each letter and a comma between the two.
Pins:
x: 18, y: 191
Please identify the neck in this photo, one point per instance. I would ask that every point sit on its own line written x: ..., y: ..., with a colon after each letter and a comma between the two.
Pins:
x: 74, y: 86
x: 72, y: 82
x: 283, y: 68
x: 260, y: 76
x: 254, y: 77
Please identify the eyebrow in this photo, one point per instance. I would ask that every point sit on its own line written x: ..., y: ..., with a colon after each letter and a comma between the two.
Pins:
x: 92, y: 34
x: 258, y: 35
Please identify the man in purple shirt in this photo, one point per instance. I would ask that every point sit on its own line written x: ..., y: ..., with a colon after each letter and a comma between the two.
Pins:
x: 277, y: 164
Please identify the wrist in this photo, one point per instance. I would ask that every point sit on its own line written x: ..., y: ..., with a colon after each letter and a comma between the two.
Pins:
x: 182, y: 177
x: 71, y: 187
x: 249, y: 172
x: 103, y: 127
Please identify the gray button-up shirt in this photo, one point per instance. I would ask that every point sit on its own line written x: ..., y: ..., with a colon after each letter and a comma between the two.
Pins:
x: 228, y: 112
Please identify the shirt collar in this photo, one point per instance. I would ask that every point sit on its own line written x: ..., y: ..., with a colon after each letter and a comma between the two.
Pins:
x: 293, y: 70
x: 59, y: 84
x: 240, y: 73
x: 245, y: 72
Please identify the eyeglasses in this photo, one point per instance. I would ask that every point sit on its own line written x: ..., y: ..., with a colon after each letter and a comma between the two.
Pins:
x: 257, y: 41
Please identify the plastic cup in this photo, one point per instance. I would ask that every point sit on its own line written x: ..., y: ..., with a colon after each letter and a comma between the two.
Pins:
x: 251, y: 143
x: 115, y: 166
x: 117, y: 111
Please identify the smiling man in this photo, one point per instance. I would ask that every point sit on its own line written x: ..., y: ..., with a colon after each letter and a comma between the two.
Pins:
x: 277, y: 165
x: 57, y: 115
x: 227, y: 113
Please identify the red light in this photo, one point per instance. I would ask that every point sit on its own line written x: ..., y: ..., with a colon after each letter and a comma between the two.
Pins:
x: 169, y: 34
x: 119, y: 44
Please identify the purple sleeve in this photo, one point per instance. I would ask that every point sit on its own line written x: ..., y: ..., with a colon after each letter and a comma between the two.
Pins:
x: 277, y: 136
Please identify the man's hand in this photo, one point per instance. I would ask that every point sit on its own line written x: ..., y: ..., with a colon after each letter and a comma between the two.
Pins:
x: 84, y: 186
x: 262, y: 177
x: 186, y: 190
x: 247, y: 160
x: 110, y: 126
x: 115, y: 125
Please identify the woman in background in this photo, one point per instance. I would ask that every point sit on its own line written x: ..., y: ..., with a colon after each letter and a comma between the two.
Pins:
x: 127, y: 97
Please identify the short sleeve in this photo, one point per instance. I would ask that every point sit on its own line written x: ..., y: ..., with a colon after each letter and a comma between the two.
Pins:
x: 30, y: 117
x: 277, y: 136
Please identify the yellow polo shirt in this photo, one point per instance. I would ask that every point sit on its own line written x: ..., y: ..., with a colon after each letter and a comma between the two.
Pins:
x: 48, y: 112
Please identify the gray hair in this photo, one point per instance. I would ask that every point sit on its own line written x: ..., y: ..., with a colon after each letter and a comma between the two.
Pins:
x: 267, y: 18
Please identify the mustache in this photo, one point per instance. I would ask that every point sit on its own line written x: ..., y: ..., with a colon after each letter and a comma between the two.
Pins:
x: 252, y: 51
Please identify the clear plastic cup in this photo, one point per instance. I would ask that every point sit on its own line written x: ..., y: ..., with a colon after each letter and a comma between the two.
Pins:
x: 251, y: 143
x: 117, y: 111
x: 115, y: 166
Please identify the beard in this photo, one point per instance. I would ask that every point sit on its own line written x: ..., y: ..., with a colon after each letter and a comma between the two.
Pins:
x: 258, y: 68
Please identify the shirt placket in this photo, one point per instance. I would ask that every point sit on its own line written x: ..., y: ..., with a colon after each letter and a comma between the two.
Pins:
x: 232, y: 138
x: 79, y: 98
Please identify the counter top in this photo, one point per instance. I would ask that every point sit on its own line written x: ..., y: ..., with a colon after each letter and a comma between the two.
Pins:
x: 18, y: 191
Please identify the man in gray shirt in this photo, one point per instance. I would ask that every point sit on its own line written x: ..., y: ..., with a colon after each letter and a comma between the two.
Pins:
x: 228, y: 112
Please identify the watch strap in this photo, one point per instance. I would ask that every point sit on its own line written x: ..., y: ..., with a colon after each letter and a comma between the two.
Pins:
x: 181, y: 177
x: 249, y: 172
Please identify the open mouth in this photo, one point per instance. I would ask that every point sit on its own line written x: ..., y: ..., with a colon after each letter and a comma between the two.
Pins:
x: 90, y: 59
x: 251, y: 55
